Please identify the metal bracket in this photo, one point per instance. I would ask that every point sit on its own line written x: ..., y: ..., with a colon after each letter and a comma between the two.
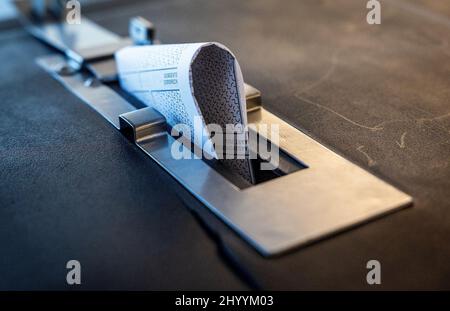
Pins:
x: 143, y: 125
x: 329, y: 195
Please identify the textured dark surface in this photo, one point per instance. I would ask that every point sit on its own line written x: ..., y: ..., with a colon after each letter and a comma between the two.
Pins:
x: 214, y: 85
x: 73, y: 188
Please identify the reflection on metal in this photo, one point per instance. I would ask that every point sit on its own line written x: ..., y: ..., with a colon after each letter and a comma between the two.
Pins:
x: 100, y: 97
x: 253, y: 97
x: 141, y: 31
x: 143, y: 125
x: 104, y: 70
x: 332, y: 194
x: 83, y: 43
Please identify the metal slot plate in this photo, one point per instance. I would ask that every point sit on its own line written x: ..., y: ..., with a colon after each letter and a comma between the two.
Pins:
x: 331, y: 195
x: 84, y: 42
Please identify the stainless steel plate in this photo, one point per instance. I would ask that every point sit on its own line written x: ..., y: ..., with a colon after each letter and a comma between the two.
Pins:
x: 331, y: 195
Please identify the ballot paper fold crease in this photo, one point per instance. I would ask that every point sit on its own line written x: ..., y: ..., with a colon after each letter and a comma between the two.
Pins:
x: 185, y: 82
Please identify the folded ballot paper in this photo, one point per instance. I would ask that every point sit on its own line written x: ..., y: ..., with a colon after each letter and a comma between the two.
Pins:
x: 195, y: 85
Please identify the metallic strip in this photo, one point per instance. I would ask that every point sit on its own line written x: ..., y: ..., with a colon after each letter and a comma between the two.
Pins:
x: 97, y: 95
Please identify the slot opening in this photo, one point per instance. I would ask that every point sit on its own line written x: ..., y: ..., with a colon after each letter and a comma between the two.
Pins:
x: 286, y: 165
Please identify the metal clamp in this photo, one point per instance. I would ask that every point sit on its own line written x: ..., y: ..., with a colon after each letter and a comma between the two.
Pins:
x: 142, y: 125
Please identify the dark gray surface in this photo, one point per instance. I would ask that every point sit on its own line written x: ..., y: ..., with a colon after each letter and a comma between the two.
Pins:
x: 73, y: 188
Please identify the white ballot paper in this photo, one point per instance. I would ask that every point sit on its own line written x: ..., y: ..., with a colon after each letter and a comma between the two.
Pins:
x: 192, y: 84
